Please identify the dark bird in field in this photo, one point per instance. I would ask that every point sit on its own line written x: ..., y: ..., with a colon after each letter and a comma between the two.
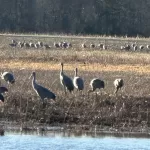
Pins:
x: 78, y: 81
x: 65, y: 44
x: 13, y: 44
x: 1, y: 98
x: 96, y: 84
x: 41, y: 91
x: 56, y: 45
x: 118, y: 83
x: 66, y: 81
x: 46, y: 46
x: 141, y: 47
x: 26, y: 45
x: 92, y: 45
x: 3, y: 90
x: 31, y: 45
x: 8, y: 77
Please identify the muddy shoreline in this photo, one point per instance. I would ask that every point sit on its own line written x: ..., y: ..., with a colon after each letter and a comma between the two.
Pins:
x: 73, y: 130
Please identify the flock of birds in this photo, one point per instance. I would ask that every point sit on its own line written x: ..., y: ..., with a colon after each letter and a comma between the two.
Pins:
x: 39, y: 44
x: 133, y: 46
x: 68, y: 84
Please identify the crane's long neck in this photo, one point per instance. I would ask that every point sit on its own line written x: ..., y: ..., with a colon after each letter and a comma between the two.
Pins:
x: 33, y: 80
x: 61, y: 72
x: 76, y: 72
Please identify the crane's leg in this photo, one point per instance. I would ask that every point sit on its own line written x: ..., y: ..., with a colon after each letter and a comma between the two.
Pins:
x: 65, y: 90
x: 116, y: 90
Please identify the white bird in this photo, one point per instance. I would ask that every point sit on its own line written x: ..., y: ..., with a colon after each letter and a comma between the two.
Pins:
x: 8, y: 77
x: 66, y: 81
x: 118, y: 83
x: 41, y: 91
x: 78, y: 81
x: 96, y: 84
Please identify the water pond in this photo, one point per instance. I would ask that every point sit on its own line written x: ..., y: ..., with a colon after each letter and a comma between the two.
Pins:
x: 63, y: 141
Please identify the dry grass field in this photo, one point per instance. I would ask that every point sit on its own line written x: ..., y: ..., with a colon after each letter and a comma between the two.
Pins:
x: 130, y: 108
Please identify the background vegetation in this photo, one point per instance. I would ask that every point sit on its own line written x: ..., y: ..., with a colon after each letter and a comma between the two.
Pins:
x: 109, y: 17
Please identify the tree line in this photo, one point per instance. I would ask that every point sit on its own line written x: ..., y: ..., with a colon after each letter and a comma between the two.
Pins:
x: 105, y: 17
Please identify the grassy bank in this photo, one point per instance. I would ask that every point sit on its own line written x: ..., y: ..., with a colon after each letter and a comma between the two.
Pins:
x: 130, y: 108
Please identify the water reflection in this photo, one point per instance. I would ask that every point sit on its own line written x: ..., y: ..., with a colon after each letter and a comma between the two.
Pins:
x: 77, y: 133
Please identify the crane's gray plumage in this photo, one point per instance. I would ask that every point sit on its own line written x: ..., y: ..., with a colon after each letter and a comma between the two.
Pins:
x: 118, y: 83
x: 66, y: 81
x: 3, y: 90
x: 78, y: 81
x: 96, y: 84
x: 8, y: 77
x: 41, y: 91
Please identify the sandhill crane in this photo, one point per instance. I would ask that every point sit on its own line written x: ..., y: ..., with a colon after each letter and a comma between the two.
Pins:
x: 127, y: 47
x: 141, y: 47
x: 46, y: 46
x: 26, y: 45
x: 148, y: 46
x: 69, y: 45
x: 133, y: 44
x: 13, y: 41
x: 8, y: 77
x: 3, y: 90
x: 96, y: 84
x: 56, y: 45
x: 118, y: 83
x: 100, y: 46
x: 1, y: 98
x: 83, y: 45
x: 135, y: 48
x: 40, y: 44
x: 31, y: 44
x: 13, y: 45
x: 92, y: 45
x: 65, y: 44
x: 36, y: 45
x: 41, y: 91
x: 20, y: 44
x: 66, y: 81
x: 78, y: 81
x: 122, y: 47
x: 104, y: 47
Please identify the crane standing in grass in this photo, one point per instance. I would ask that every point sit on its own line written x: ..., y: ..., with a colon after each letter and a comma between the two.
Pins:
x: 118, y: 83
x: 66, y: 81
x: 96, y: 84
x: 78, y: 81
x: 41, y: 91
x: 8, y: 77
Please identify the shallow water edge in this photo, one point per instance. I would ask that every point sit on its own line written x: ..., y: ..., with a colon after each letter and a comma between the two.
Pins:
x: 72, y: 130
